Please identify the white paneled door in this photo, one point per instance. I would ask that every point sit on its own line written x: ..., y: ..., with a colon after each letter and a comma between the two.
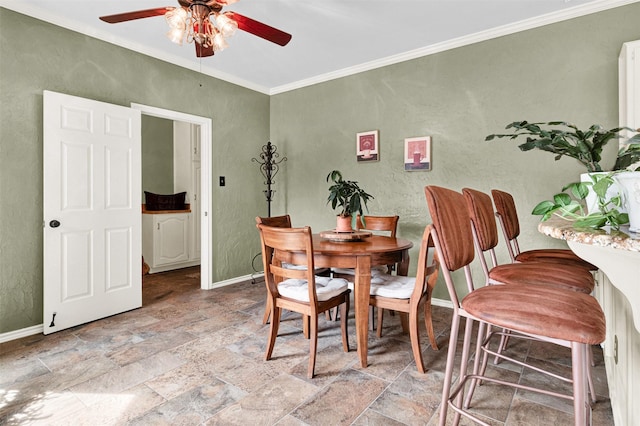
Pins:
x: 92, y: 219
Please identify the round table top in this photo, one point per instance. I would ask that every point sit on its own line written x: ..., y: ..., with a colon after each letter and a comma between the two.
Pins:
x: 371, y: 244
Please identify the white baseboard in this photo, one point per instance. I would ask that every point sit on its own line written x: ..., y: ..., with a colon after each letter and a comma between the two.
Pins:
x: 442, y: 302
x: 235, y: 280
x: 19, y: 334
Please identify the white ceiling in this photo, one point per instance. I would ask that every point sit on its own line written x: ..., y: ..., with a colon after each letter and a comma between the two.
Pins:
x: 331, y: 38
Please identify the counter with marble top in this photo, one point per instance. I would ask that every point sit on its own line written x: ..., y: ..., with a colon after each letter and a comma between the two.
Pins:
x: 617, y: 254
x: 562, y: 229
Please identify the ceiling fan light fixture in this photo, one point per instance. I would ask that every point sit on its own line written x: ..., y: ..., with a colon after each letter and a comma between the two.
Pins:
x: 176, y: 35
x: 219, y: 43
x: 225, y: 25
x: 177, y: 18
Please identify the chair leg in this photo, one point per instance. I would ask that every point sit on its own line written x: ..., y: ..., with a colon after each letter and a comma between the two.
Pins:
x: 581, y: 408
x: 478, y: 367
x: 380, y: 320
x: 344, y: 321
x: 448, y: 373
x: 404, y: 321
x: 273, y: 332
x: 313, y: 344
x: 590, y: 364
x: 464, y: 361
x: 305, y: 326
x: 371, y: 318
x: 414, y: 334
x: 267, y: 311
x: 428, y: 322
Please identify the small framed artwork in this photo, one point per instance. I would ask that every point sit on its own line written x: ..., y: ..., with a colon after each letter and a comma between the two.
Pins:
x: 367, y: 146
x: 417, y: 153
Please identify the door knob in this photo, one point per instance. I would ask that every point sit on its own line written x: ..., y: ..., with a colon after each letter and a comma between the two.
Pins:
x: 54, y: 224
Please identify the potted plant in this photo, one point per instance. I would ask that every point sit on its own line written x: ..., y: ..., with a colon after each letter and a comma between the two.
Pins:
x: 565, y: 139
x: 570, y: 204
x: 347, y: 196
x: 603, y: 203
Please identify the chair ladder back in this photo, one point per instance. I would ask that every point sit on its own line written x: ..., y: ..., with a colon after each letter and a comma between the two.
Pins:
x: 427, y: 273
x: 453, y: 225
x: 275, y: 221
x: 451, y: 233
x: 280, y: 244
x: 378, y: 223
x: 508, y: 215
x: 483, y: 226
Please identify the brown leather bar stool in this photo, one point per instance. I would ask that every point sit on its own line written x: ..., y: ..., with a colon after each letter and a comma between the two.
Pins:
x: 508, y: 216
x: 555, y: 315
x: 534, y: 273
x: 485, y: 233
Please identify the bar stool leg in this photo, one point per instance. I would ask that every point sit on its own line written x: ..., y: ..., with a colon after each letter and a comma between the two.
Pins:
x: 479, y: 365
x: 448, y: 374
x: 581, y: 408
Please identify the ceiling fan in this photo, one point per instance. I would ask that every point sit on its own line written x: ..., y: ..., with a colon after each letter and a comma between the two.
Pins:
x: 203, y: 23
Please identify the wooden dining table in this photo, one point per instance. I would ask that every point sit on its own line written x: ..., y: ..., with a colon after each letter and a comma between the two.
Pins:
x: 362, y: 255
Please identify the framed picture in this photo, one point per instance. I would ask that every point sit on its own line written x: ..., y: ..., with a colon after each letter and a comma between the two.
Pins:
x: 417, y: 153
x: 367, y: 146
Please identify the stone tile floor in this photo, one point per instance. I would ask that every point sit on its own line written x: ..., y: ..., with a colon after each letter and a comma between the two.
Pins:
x: 191, y: 357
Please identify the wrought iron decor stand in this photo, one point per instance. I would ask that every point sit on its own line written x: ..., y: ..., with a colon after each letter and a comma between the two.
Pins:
x: 269, y: 166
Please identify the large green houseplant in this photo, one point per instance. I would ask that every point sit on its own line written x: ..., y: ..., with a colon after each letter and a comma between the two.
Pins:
x: 564, y: 139
x: 348, y: 198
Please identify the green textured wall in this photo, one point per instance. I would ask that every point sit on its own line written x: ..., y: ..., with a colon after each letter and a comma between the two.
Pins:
x: 157, y: 155
x: 562, y: 71
x: 67, y: 62
x: 565, y: 71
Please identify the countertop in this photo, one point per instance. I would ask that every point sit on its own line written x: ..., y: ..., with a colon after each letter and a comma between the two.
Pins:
x: 187, y: 209
x: 563, y: 229
x: 616, y: 253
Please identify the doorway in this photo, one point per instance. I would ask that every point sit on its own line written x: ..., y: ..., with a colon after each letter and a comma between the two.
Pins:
x: 205, y: 124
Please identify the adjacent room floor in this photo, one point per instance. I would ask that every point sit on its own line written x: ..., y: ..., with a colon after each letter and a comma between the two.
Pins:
x: 193, y: 357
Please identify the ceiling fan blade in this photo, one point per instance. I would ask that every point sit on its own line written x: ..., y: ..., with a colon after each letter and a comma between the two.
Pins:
x: 202, y: 51
x: 139, y: 14
x: 259, y: 29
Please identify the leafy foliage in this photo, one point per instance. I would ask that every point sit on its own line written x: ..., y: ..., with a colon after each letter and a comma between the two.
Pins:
x: 346, y: 195
x: 571, y: 205
x: 565, y: 139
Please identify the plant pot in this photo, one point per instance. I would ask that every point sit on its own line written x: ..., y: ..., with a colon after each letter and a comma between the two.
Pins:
x: 343, y: 224
x: 592, y: 199
x: 630, y: 184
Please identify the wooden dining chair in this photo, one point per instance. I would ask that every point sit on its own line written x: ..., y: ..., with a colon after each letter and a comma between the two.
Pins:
x: 406, y: 295
x: 283, y: 221
x: 508, y: 216
x: 382, y: 225
x: 299, y: 290
x: 550, y: 314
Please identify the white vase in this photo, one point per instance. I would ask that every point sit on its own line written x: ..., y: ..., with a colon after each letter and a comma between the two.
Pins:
x: 592, y: 199
x: 630, y: 184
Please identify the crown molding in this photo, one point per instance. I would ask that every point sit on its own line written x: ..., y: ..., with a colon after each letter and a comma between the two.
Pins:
x: 34, y: 12
x: 527, y: 24
x: 551, y: 18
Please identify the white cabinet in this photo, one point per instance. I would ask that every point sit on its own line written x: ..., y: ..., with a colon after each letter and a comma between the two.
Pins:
x: 166, y: 242
x: 186, y: 166
x: 622, y: 354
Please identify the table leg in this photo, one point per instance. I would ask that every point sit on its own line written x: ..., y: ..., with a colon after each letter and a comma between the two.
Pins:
x: 361, y: 287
